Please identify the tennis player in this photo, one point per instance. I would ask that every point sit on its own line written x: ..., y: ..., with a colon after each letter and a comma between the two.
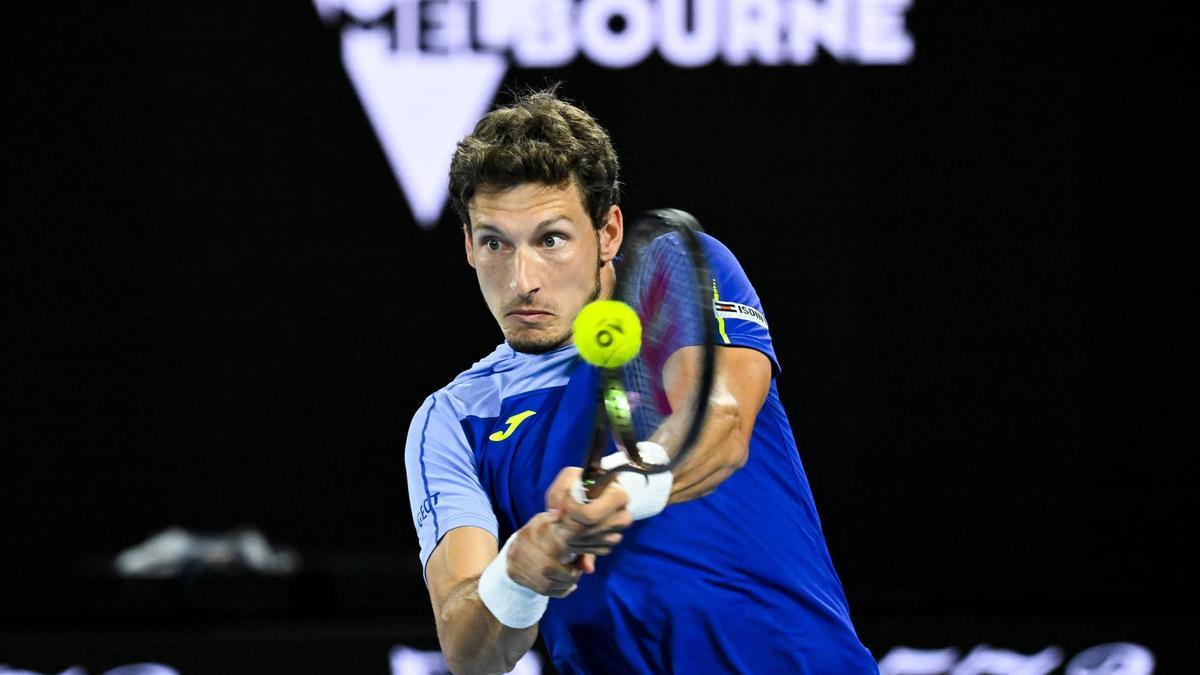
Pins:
x: 732, y: 576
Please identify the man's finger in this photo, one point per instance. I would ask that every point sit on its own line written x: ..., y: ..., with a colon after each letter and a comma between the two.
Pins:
x: 609, y: 540
x: 561, y: 578
x: 543, y: 573
x: 560, y: 490
x: 612, y: 500
x: 586, y: 562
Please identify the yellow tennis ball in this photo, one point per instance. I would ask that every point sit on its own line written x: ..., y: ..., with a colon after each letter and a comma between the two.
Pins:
x: 608, y: 333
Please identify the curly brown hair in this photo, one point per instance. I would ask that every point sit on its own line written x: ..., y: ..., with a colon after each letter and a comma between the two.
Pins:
x: 540, y: 138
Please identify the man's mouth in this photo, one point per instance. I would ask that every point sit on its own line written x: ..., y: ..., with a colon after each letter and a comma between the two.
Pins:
x: 530, y: 314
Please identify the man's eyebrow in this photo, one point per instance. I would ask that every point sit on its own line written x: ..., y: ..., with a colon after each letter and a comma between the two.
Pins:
x: 550, y: 221
x: 540, y: 226
x: 484, y: 226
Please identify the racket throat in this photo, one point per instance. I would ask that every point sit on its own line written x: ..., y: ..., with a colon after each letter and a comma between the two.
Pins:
x: 614, y: 421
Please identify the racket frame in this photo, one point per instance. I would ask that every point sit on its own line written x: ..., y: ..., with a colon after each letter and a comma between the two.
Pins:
x: 614, y: 418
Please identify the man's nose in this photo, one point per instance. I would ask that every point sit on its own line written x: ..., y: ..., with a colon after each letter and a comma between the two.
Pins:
x: 527, y: 273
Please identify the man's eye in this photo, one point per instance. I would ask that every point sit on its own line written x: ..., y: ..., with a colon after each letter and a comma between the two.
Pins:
x: 492, y: 244
x: 553, y: 241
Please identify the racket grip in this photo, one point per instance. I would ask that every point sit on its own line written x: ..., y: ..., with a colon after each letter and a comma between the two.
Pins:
x: 648, y: 493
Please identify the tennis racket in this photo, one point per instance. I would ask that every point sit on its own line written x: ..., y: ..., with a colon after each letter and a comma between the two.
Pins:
x: 663, y: 274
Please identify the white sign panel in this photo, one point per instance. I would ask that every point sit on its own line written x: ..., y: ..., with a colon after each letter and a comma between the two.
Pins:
x: 426, y: 70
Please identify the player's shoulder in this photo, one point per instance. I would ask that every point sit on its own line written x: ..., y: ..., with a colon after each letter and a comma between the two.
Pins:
x: 479, y: 390
x: 714, y: 249
x: 474, y: 383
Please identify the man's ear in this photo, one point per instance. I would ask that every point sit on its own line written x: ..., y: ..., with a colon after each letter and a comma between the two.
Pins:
x: 468, y: 246
x: 611, y: 234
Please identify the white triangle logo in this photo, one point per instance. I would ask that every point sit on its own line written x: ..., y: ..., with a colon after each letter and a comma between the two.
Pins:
x: 420, y: 106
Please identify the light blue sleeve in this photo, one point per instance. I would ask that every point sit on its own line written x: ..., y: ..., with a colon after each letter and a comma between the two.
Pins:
x: 443, y: 488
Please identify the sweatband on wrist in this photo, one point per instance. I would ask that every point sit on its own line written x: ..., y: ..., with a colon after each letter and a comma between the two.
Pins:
x: 648, y: 494
x: 511, y: 603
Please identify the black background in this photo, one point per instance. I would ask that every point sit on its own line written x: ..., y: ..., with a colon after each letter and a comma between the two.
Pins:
x: 975, y: 267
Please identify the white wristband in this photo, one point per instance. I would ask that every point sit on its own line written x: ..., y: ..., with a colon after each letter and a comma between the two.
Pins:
x: 511, y: 603
x: 648, y: 494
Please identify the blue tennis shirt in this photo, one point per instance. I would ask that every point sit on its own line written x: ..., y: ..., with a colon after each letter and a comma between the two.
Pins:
x: 737, y: 581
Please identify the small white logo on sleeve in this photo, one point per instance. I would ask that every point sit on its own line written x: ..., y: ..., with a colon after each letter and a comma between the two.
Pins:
x: 733, y: 310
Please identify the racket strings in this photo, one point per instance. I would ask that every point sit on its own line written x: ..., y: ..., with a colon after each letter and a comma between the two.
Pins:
x: 664, y: 293
x: 665, y: 279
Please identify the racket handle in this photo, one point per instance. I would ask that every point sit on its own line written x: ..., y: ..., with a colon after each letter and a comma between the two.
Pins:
x: 648, y: 492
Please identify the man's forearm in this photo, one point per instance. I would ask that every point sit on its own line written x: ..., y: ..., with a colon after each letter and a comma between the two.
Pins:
x: 741, y: 384
x: 720, y: 450
x: 473, y: 641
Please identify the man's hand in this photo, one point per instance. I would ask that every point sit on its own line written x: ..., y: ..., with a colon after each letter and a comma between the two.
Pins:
x: 558, y: 545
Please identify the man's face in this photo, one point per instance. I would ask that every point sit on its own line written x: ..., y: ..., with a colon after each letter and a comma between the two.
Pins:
x: 539, y: 260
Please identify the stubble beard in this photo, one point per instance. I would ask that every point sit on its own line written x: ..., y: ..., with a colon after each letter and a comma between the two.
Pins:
x: 541, y: 345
